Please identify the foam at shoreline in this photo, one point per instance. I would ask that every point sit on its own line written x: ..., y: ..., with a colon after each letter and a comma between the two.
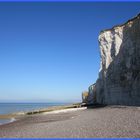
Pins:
x: 6, y: 121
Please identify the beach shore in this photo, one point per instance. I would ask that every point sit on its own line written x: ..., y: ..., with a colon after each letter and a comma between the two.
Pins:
x: 8, y: 118
x: 109, y: 121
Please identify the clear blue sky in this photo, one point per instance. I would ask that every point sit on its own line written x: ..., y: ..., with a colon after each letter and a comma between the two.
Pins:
x: 49, y: 51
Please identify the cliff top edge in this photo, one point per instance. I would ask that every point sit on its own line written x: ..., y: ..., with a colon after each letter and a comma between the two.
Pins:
x: 120, y: 25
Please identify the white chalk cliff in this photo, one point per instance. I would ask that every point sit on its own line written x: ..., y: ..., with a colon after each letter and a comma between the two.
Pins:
x: 119, y: 76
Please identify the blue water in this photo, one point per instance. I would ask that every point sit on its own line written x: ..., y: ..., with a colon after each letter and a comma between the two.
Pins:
x: 7, y: 108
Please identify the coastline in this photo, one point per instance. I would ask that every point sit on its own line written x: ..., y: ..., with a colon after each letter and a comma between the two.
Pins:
x: 12, y: 117
x: 8, y: 118
x: 96, y: 122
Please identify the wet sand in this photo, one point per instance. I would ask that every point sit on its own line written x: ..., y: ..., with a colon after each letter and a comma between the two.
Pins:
x: 110, y: 121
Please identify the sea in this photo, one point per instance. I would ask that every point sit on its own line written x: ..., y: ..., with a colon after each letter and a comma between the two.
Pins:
x: 8, y: 108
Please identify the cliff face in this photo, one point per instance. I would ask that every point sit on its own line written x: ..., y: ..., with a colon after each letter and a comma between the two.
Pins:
x: 91, y: 99
x: 119, y: 76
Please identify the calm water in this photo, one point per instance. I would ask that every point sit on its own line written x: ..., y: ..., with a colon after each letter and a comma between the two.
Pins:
x: 7, y: 108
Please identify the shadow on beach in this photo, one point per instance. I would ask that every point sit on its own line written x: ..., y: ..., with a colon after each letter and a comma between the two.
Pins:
x: 99, y: 106
x: 95, y: 106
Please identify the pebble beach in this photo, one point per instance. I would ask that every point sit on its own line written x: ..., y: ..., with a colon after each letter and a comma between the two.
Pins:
x: 102, y: 122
